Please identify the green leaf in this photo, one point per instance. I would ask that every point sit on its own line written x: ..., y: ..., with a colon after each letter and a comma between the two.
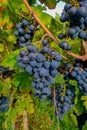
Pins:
x: 50, y: 3
x: 41, y: 15
x: 10, y: 60
x: 84, y: 99
x: 59, y: 79
x: 73, y: 83
x: 1, y: 47
x: 85, y: 126
x: 79, y: 108
x: 5, y: 86
x: 15, y: 3
x: 28, y: 105
x: 31, y: 2
x: 70, y: 119
x: 23, y: 80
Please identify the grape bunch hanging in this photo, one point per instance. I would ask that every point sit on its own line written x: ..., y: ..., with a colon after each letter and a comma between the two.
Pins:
x: 64, y: 99
x: 77, y: 17
x: 43, y: 65
x: 25, y: 32
x: 78, y: 73
x: 4, y: 103
x: 5, y: 72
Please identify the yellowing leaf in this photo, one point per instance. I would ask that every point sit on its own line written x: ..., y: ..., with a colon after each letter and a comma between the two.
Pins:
x: 74, y: 119
x: 1, y: 47
x: 79, y: 108
x: 3, y: 2
x: 51, y: 4
x: 85, y: 104
x: 3, y: 20
x: 30, y: 109
x: 84, y: 98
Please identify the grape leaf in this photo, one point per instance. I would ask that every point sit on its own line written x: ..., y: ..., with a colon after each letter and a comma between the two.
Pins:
x: 1, y: 47
x: 79, y: 108
x: 42, y: 15
x: 24, y: 105
x: 31, y: 2
x: 59, y: 79
x: 10, y: 60
x: 70, y: 119
x: 51, y: 4
x: 84, y: 99
x: 85, y: 126
x: 5, y: 86
x: 23, y: 80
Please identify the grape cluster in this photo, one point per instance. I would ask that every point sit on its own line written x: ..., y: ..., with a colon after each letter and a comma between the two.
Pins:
x: 5, y: 72
x: 25, y: 32
x: 78, y: 73
x: 4, y: 103
x: 42, y: 64
x: 77, y: 17
x: 64, y: 99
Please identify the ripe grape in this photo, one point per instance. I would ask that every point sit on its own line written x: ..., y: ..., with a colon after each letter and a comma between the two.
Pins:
x: 43, y: 69
x: 25, y: 32
x: 77, y: 18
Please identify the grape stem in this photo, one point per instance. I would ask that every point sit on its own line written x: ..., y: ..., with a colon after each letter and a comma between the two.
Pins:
x: 77, y: 56
x: 42, y: 25
x: 83, y: 57
x: 5, y: 46
x: 55, y: 105
x: 45, y: 35
x: 25, y: 120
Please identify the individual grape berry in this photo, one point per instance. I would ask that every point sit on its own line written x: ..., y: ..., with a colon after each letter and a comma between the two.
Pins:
x: 61, y: 35
x: 28, y: 68
x: 32, y: 28
x: 27, y: 36
x: 47, y: 64
x: 81, y: 11
x: 44, y: 72
x: 33, y: 63
x: 16, y: 33
x: 25, y: 59
x: 71, y: 31
x: 45, y: 42
x: 82, y: 34
x: 22, y: 39
x: 54, y: 64
x: 21, y: 31
x: 40, y: 58
x: 18, y: 26
x: 54, y: 73
x: 72, y: 11
x: 24, y: 23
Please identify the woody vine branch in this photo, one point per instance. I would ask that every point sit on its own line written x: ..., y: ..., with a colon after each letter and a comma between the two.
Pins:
x: 80, y: 57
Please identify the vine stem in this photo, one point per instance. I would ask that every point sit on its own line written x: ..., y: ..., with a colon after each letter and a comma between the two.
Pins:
x: 25, y: 125
x: 5, y: 46
x: 80, y: 57
x: 55, y: 105
x: 40, y: 23
x: 83, y: 58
